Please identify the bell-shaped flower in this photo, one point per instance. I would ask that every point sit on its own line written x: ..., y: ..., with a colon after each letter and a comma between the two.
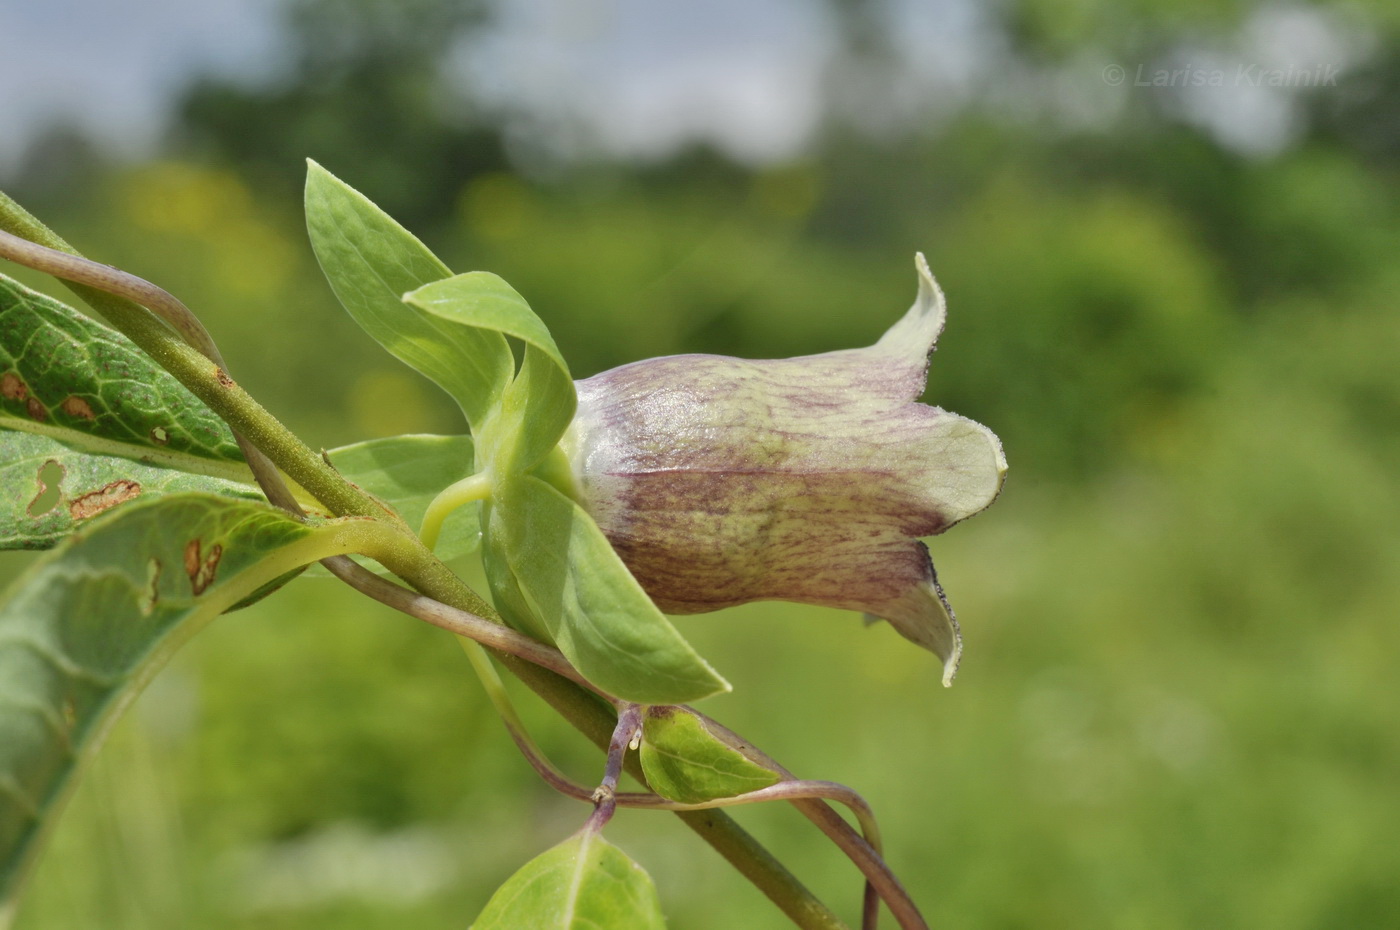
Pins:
x: 722, y: 481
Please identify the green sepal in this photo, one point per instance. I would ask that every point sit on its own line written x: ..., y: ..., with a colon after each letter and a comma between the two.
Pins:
x: 371, y: 262
x: 506, y: 595
x: 594, y: 610
x: 539, y: 403
x: 407, y: 472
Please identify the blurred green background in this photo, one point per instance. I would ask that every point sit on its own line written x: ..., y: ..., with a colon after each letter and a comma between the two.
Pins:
x: 1175, y: 304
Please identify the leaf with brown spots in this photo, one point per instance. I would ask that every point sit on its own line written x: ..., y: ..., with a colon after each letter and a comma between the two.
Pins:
x: 47, y: 488
x: 406, y: 472
x: 104, y: 498
x: 90, y: 621
x: 12, y: 387
x: 201, y: 571
x: 65, y: 372
x: 49, y: 478
x: 75, y: 406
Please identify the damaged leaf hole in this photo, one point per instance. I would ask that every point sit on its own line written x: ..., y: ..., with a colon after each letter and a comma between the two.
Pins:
x: 104, y: 498
x: 159, y: 436
x: 49, y: 477
x: 152, y: 595
x: 201, y: 571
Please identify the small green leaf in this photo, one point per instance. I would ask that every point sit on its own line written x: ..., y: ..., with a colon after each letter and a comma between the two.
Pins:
x: 591, y: 605
x: 92, y: 621
x: 484, y: 300
x: 540, y: 402
x: 66, y: 376
x: 685, y: 762
x: 47, y: 488
x: 371, y: 262
x: 584, y: 883
x: 407, y: 472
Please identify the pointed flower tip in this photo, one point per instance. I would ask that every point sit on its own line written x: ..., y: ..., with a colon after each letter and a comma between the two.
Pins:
x: 923, y: 616
x: 928, y: 287
x: 950, y: 666
x: 916, y: 333
x: 724, y: 481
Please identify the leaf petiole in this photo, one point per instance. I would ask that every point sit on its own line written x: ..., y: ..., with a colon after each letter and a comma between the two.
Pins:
x: 470, y: 489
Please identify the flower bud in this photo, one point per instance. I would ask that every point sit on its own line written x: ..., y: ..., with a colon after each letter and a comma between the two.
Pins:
x: 722, y: 481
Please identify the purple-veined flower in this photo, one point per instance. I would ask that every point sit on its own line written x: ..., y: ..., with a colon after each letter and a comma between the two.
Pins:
x: 722, y: 481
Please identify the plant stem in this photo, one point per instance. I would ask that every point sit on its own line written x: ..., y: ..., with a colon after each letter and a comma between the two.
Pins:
x: 625, y: 734
x: 865, y: 853
x: 471, y: 488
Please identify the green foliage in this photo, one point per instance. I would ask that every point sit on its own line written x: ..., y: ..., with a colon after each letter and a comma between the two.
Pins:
x: 591, y: 606
x: 87, y: 422
x: 584, y: 882
x: 388, y: 122
x: 685, y: 762
x: 1105, y: 276
x: 91, y: 623
x: 71, y: 377
x: 553, y: 570
x: 371, y: 263
x: 48, y: 489
x: 407, y: 472
x: 125, y: 428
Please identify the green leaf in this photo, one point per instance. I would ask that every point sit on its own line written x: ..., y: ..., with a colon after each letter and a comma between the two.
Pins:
x: 68, y: 377
x: 88, y: 421
x: 539, y: 404
x: 48, y: 488
x: 486, y: 301
x: 593, y: 608
x: 371, y: 262
x: 407, y: 472
x: 506, y: 595
x: 584, y: 883
x: 685, y: 762
x: 91, y: 622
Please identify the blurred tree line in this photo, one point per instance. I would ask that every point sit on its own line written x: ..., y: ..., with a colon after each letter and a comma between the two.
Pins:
x: 1140, y: 243
x: 1187, y: 346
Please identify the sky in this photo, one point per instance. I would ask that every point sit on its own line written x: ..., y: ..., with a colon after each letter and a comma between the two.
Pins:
x: 114, y: 67
x: 746, y: 75
x: 642, y: 77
